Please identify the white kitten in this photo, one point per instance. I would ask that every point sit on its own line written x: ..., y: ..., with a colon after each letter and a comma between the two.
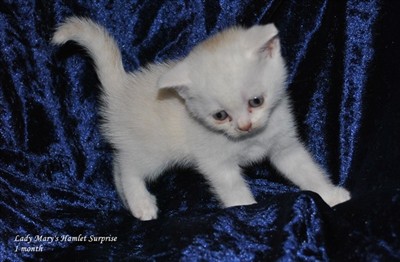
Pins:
x: 222, y: 107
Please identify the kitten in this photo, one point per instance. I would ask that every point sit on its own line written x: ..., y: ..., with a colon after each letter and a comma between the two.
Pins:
x: 222, y: 107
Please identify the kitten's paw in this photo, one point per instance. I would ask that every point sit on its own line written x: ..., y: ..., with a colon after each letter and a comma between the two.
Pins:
x: 144, y: 208
x: 239, y: 201
x: 336, y: 196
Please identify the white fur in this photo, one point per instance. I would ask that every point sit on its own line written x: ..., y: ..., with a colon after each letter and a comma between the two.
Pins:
x: 163, y: 115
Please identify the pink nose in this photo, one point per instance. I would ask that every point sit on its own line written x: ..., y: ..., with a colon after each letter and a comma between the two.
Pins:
x: 245, y: 127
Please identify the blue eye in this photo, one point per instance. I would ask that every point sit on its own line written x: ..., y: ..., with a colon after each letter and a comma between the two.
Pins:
x: 221, y: 115
x: 256, y: 101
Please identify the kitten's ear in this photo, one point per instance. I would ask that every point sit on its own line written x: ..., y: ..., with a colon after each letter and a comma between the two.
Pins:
x: 266, y: 40
x: 177, y: 77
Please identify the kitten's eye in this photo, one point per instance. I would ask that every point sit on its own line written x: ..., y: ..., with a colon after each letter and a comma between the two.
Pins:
x: 221, y: 115
x: 256, y: 101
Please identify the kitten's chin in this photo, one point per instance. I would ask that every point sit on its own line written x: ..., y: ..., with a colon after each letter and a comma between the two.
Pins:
x: 241, y: 135
x: 236, y: 134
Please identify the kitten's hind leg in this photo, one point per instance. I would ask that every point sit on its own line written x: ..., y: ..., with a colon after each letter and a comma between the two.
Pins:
x: 118, y: 183
x: 135, y: 195
x: 141, y: 203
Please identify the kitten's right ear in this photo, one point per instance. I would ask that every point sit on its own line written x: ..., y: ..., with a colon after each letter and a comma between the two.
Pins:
x: 265, y: 39
x: 177, y: 77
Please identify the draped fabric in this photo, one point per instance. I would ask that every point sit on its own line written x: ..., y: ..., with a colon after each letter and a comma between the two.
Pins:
x: 58, y: 200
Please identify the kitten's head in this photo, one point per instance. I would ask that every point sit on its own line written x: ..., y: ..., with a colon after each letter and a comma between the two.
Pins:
x: 231, y: 81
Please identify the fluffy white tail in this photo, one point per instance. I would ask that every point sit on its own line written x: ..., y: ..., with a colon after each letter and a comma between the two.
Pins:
x: 100, y: 45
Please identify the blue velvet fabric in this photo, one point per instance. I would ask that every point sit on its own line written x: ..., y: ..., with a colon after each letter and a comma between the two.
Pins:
x: 55, y: 168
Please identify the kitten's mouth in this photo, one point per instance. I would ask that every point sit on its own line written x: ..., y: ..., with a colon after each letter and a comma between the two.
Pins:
x: 241, y: 134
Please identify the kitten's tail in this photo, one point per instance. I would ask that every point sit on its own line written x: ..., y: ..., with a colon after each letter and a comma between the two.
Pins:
x: 100, y: 45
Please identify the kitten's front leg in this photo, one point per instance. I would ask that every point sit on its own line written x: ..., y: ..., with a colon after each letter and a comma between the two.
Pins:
x: 229, y: 185
x: 296, y: 164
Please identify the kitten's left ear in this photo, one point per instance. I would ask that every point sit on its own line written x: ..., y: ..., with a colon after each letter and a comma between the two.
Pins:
x: 177, y: 77
x: 266, y: 40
